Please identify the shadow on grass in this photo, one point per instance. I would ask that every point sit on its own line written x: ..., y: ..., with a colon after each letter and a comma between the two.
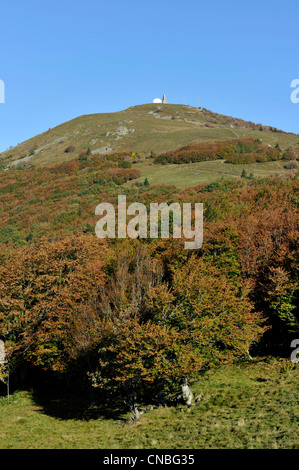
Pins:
x: 66, y: 397
x: 64, y: 404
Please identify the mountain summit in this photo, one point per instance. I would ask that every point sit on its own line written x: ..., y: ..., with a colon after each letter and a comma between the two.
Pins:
x: 144, y: 129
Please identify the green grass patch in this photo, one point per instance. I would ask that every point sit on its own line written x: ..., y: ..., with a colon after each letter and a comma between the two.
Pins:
x: 193, y: 174
x: 254, y: 405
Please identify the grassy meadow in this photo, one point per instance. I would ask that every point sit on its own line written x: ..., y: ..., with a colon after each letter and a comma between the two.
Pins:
x: 254, y: 405
x: 193, y: 174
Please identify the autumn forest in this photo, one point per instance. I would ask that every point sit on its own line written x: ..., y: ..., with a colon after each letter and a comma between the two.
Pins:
x: 138, y: 321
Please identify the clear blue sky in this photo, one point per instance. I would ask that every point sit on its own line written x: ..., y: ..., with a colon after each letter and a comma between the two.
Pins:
x: 61, y: 59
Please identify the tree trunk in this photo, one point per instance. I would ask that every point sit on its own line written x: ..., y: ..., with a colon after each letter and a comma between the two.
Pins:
x: 186, y: 392
x: 132, y: 404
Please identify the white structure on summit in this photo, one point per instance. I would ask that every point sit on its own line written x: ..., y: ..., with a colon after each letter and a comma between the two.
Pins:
x: 158, y: 100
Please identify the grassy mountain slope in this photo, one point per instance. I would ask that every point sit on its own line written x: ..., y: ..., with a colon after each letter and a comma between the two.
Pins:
x: 192, y: 174
x: 141, y: 129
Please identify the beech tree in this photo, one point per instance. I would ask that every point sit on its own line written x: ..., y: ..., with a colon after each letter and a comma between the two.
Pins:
x: 209, y: 310
x: 42, y: 291
x: 143, y: 359
x: 200, y: 322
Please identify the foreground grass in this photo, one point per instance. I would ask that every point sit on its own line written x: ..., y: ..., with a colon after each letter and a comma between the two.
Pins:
x: 250, y: 406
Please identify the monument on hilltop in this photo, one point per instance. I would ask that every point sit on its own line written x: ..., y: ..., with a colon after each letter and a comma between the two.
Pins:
x: 158, y: 100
